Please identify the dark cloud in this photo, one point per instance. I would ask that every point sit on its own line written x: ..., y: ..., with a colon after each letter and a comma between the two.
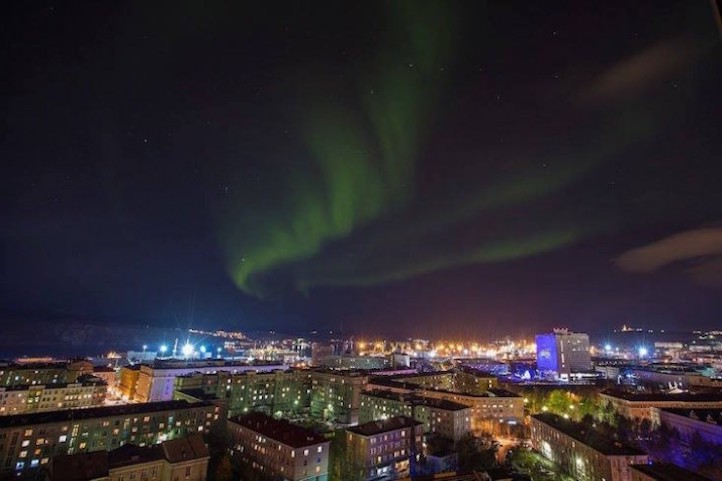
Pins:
x: 701, y: 247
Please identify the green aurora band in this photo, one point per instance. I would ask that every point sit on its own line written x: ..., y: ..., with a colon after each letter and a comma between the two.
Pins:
x: 349, y: 216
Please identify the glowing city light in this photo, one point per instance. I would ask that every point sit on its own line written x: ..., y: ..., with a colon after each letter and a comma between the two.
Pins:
x: 203, y: 349
x: 163, y: 348
x: 643, y: 351
x: 187, y: 350
x: 607, y: 347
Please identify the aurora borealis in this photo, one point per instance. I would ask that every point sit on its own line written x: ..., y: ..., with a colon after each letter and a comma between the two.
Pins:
x: 383, y: 164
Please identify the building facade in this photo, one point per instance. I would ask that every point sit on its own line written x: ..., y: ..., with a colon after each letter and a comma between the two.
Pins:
x: 441, y: 417
x: 494, y: 410
x: 387, y: 448
x: 336, y: 395
x: 87, y: 393
x: 279, y: 393
x: 31, y: 374
x: 279, y: 449
x: 582, y: 452
x: 29, y: 441
x: 155, y: 382
x: 563, y: 353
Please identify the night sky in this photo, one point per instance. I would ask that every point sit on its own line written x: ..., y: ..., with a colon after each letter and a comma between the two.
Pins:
x: 419, y: 168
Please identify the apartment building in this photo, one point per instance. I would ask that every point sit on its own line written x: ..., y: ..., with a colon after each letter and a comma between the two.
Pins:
x: 634, y: 405
x: 445, y: 418
x: 29, y: 441
x: 155, y: 382
x: 276, y: 448
x: 336, y: 395
x: 582, y: 452
x: 89, y: 392
x: 280, y: 393
x: 31, y: 374
x: 385, y: 448
x: 173, y: 460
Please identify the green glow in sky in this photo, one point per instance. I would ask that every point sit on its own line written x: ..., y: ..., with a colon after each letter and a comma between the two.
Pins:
x: 348, y: 212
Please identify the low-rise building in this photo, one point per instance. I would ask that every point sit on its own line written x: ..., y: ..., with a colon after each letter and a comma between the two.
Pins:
x: 664, y: 472
x: 279, y: 449
x: 385, y: 447
x: 581, y: 451
x: 182, y: 458
x: 706, y: 423
x: 29, y: 441
x: 635, y: 405
x: 89, y: 392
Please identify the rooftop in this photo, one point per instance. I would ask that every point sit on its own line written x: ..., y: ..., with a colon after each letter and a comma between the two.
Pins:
x: 198, y: 393
x: 83, y: 466
x: 182, y: 449
x: 413, y: 399
x: 711, y: 416
x: 586, y: 435
x: 279, y: 430
x: 383, y: 426
x: 130, y: 454
x: 219, y: 363
x: 96, y: 412
x: 668, y: 472
x: 85, y: 382
x: 648, y: 396
x: 79, y: 467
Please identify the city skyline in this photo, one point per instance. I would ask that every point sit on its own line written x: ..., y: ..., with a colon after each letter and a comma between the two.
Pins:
x: 443, y: 168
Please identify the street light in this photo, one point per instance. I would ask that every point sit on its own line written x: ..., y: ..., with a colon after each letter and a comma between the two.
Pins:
x: 187, y: 350
x: 163, y: 348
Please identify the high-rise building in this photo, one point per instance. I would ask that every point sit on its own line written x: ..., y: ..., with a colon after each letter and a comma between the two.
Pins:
x: 562, y: 353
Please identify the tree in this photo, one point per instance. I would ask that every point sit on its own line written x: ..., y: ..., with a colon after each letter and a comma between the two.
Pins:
x: 477, y: 454
x: 223, y: 471
x: 342, y: 464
